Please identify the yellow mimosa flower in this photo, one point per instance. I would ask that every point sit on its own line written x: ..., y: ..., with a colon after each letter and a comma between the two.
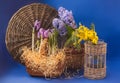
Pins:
x: 83, y: 33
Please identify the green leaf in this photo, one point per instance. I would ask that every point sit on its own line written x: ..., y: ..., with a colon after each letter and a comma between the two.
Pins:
x: 68, y: 42
x: 69, y: 31
x: 92, y: 26
x: 53, y: 42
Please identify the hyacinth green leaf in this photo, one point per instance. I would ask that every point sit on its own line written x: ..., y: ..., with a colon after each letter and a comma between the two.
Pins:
x: 68, y: 41
x: 69, y: 31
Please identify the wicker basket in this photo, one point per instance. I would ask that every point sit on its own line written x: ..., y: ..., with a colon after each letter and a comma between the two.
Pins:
x: 95, y: 60
x: 40, y: 74
x: 54, y: 74
x: 19, y: 30
x: 74, y: 58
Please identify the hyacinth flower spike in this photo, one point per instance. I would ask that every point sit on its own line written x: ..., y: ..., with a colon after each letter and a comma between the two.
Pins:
x: 60, y: 26
x: 67, y: 17
x: 61, y: 11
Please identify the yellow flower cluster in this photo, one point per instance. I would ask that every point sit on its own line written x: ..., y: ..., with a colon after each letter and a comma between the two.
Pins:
x: 83, y: 33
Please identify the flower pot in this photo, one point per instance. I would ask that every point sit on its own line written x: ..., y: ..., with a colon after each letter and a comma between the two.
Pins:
x: 74, y: 58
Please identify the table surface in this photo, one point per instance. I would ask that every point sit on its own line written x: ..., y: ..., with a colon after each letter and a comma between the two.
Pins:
x: 18, y: 74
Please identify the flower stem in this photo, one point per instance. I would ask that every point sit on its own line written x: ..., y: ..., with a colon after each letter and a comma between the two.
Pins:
x: 41, y: 42
x: 33, y: 34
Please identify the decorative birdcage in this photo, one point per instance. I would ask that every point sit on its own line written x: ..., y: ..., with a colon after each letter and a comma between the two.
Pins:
x: 95, y: 60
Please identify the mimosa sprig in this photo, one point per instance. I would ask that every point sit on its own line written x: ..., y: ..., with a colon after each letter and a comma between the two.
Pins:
x: 86, y: 34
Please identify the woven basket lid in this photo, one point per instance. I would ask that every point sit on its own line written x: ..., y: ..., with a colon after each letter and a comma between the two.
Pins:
x: 19, y: 30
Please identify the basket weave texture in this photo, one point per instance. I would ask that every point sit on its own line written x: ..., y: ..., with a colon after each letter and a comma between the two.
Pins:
x: 19, y: 30
x: 75, y: 58
x: 95, y: 60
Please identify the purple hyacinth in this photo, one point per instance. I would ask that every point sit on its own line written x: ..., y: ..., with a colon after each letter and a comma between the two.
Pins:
x: 55, y: 22
x: 37, y: 25
x: 61, y: 11
x: 60, y: 26
x: 67, y: 17
x: 63, y: 31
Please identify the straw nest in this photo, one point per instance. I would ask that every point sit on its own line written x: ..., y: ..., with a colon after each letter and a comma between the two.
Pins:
x: 48, y: 66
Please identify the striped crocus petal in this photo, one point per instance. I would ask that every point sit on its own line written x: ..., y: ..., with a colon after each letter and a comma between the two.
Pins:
x: 40, y: 33
x: 52, y: 30
x: 46, y: 33
x: 37, y: 25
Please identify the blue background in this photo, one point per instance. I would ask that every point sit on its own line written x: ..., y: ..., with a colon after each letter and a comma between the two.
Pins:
x: 104, y: 13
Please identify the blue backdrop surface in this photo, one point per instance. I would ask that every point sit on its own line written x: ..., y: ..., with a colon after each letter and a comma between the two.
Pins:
x: 104, y: 13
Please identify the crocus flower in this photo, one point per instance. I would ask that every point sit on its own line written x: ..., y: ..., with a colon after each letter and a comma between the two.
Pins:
x: 40, y: 32
x: 44, y: 33
x: 37, y: 25
x: 52, y: 30
x: 47, y: 33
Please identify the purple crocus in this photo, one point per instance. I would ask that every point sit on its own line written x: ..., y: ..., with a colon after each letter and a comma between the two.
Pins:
x: 40, y: 32
x: 47, y: 33
x: 44, y: 33
x: 52, y: 30
x: 37, y: 25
